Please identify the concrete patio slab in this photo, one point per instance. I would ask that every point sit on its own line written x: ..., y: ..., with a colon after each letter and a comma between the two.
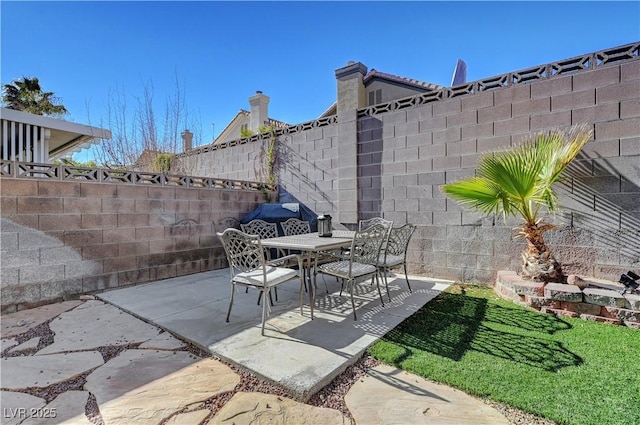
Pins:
x: 301, y: 354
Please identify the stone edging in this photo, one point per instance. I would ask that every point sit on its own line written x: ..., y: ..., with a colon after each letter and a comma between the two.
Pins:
x: 598, y: 301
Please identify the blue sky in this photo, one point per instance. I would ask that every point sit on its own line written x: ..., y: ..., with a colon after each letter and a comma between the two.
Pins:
x: 222, y: 52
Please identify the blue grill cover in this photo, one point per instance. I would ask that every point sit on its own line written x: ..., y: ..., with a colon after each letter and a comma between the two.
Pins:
x: 277, y: 213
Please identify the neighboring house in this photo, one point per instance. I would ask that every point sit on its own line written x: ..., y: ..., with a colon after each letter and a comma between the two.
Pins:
x: 373, y: 87
x: 147, y: 160
x: 251, y: 120
x: 36, y: 138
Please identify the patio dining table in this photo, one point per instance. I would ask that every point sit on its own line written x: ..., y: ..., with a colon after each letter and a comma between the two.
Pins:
x: 310, y: 245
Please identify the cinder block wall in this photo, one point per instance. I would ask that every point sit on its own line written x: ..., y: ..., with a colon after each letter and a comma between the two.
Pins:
x: 63, y: 238
x: 393, y: 163
x: 440, y: 142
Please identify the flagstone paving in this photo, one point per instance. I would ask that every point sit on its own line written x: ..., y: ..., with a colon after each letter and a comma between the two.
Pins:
x: 34, y: 371
x: 21, y: 321
x: 147, y: 386
x: 67, y: 408
x: 87, y: 362
x: 258, y: 409
x: 102, y: 324
x: 14, y: 403
x: 389, y: 395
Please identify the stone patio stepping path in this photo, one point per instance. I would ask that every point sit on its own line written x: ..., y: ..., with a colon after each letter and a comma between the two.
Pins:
x: 387, y: 395
x: 68, y: 408
x: 148, y: 386
x: 101, y: 324
x: 17, y: 323
x: 265, y: 409
x: 107, y: 366
x: 35, y: 371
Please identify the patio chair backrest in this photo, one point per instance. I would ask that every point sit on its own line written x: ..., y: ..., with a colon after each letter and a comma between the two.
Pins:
x: 366, y: 244
x: 295, y: 226
x: 263, y: 229
x: 228, y: 223
x: 244, y: 251
x: 399, y: 238
x: 365, y: 224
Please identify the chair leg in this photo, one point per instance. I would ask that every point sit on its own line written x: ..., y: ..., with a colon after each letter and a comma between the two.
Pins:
x: 270, y: 298
x: 407, y: 277
x: 233, y: 290
x: 264, y: 311
x: 376, y: 277
x: 302, y: 285
x: 386, y: 283
x: 353, y: 304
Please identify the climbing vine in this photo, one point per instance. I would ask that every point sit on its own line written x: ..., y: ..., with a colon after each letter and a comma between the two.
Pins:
x: 271, y: 154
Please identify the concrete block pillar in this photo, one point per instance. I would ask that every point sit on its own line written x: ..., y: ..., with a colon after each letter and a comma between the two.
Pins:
x: 351, y: 97
x: 347, y: 185
x: 259, y: 111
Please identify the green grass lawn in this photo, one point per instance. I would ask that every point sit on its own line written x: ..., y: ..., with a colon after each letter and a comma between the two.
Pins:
x: 570, y: 371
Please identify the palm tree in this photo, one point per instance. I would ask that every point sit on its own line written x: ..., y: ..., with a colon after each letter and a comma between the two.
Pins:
x: 519, y: 182
x: 26, y: 95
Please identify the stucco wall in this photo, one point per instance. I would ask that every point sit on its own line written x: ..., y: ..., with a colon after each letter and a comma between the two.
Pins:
x: 63, y: 238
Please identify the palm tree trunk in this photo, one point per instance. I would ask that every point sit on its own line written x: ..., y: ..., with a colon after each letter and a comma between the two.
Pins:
x: 538, y: 263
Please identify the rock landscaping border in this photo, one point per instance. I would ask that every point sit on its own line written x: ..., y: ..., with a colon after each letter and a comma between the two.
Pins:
x: 598, y: 300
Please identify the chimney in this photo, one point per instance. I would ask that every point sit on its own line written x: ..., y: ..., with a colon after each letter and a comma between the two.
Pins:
x: 187, y: 140
x: 259, y: 111
x: 351, y: 93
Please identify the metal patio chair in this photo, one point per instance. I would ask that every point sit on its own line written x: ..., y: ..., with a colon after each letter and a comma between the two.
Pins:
x: 362, y: 260
x: 394, y: 253
x: 250, y: 268
x: 228, y: 223
x: 295, y: 226
x: 264, y: 230
x: 261, y: 228
x: 365, y: 224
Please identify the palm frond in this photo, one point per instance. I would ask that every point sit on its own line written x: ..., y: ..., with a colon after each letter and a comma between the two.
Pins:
x: 519, y: 180
x: 478, y: 193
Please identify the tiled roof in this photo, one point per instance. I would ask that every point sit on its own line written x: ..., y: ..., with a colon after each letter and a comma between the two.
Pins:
x: 404, y: 80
